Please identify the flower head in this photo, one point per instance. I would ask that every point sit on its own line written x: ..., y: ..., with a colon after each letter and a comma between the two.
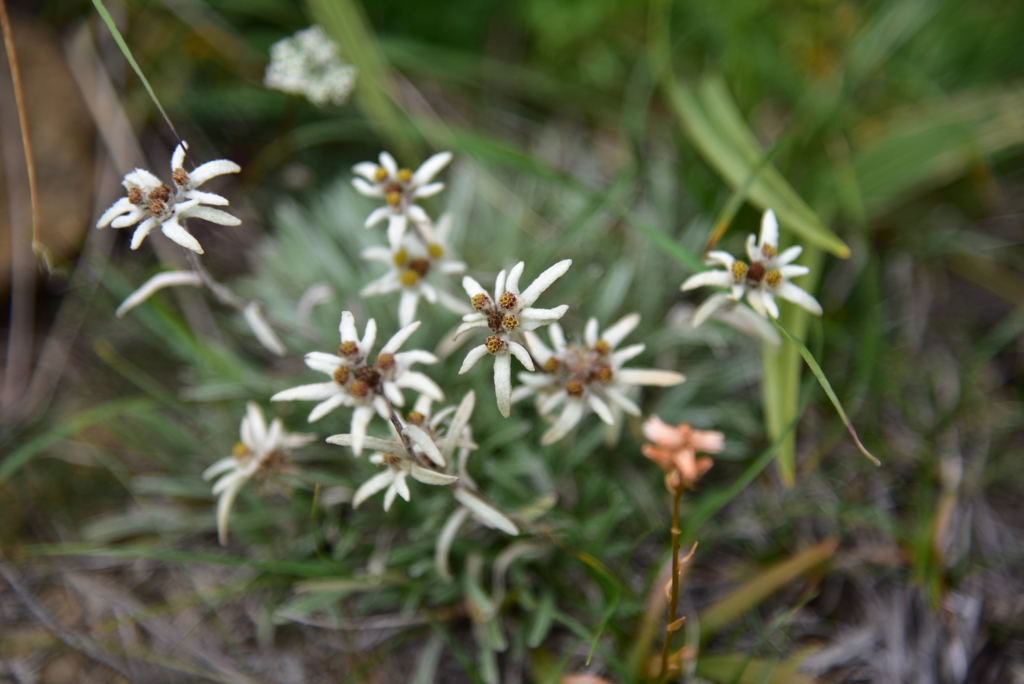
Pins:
x: 675, y: 450
x: 260, y: 452
x: 307, y: 64
x: 766, y: 277
x: 507, y: 316
x: 417, y: 270
x: 589, y: 376
x: 399, y: 188
x: 369, y: 387
x: 155, y: 204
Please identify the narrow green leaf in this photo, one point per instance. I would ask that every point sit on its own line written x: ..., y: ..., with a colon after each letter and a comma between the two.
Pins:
x: 119, y: 39
x: 823, y: 381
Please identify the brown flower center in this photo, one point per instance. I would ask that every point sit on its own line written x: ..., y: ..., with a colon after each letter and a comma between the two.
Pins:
x: 341, y: 374
x: 756, y: 272
x: 180, y: 176
x: 507, y: 301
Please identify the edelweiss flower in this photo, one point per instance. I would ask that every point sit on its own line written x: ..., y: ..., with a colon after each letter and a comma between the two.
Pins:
x: 412, y: 266
x: 260, y: 453
x: 399, y: 188
x: 156, y: 204
x: 675, y: 450
x: 307, y: 63
x: 508, y: 315
x: 588, y: 376
x: 765, y: 278
x: 430, y: 450
x: 354, y: 382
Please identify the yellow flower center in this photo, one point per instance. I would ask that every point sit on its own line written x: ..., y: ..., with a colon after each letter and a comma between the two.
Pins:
x: 404, y: 175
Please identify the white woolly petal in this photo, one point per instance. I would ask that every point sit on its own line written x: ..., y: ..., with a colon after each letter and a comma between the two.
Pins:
x: 372, y: 486
x: 408, y: 358
x: 224, y: 504
x: 445, y: 539
x: 753, y: 252
x: 257, y: 424
x: 557, y: 336
x: 119, y: 207
x: 621, y: 400
x: 788, y: 256
x: 388, y: 282
x: 378, y: 253
x: 474, y: 355
x: 369, y: 337
x: 553, y: 402
x: 361, y: 417
x: 427, y: 291
x: 590, y: 332
x: 205, y: 172
x: 626, y: 353
x: 367, y: 170
x: 222, y: 466
x: 420, y: 383
x: 651, y: 377
x: 156, y: 283
x: 543, y: 282
x: 431, y: 477
x: 793, y: 271
x: 265, y: 335
x: 570, y: 418
x: 325, y: 407
x: 537, y: 347
x: 722, y: 258
x: 400, y: 338
x: 211, y: 215
x: 430, y: 168
x: 716, y: 278
x: 394, y: 394
x: 407, y: 305
x: 769, y: 303
x: 314, y: 392
x: 417, y: 215
x: 756, y: 302
x: 499, y: 285
x: 531, y: 319
x: 396, y: 229
x: 376, y: 216
x: 503, y: 383
x: 428, y: 190
x: 131, y: 218
x: 367, y: 189
x: 478, y: 321
x: 178, y: 157
x: 389, y: 164
x: 512, y: 281
x: 401, y: 486
x: 799, y: 296
x: 485, y: 513
x: 600, y: 408
x: 769, y: 229
x: 459, y: 422
x: 206, y: 197
x: 347, y: 327
x: 389, y: 496
x: 713, y: 303
x: 142, y: 231
x: 520, y: 352
x: 324, y: 363
x: 388, y: 446
x: 142, y: 179
x: 621, y: 329
x: 173, y: 230
x: 472, y: 287
x: 421, y: 439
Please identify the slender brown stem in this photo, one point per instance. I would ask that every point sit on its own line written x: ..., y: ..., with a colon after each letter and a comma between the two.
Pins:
x: 673, y: 603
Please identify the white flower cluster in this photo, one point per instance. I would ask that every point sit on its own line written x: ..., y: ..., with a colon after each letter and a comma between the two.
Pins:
x: 155, y: 204
x: 588, y: 376
x: 308, y: 64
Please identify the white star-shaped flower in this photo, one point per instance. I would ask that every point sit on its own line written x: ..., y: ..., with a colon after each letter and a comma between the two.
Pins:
x: 508, y: 315
x: 765, y: 278
x: 589, y: 376
x: 412, y: 268
x: 369, y: 388
x: 399, y: 188
x: 156, y: 204
x: 260, y: 452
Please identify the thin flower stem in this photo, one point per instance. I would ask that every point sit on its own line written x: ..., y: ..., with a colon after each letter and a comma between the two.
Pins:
x: 673, y: 603
x: 222, y: 293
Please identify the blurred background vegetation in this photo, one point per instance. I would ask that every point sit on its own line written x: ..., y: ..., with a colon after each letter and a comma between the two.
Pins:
x: 616, y: 133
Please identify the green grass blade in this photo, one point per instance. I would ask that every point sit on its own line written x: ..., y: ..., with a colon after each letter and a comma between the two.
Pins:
x: 80, y: 421
x: 823, y: 381
x: 119, y: 39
